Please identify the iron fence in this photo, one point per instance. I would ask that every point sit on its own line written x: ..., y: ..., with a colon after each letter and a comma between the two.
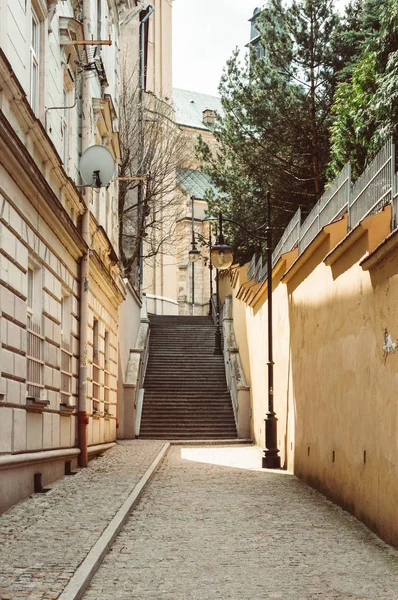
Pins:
x: 394, y: 223
x: 333, y: 203
x: 258, y: 270
x: 264, y: 272
x: 289, y: 238
x: 373, y: 189
x: 251, y: 268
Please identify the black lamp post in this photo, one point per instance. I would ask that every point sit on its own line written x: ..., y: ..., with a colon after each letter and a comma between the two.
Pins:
x: 210, y: 277
x: 194, y: 256
x: 270, y: 460
x: 222, y: 255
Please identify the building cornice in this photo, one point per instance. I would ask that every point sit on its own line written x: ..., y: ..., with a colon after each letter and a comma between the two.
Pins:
x: 20, y: 165
x: 32, y: 126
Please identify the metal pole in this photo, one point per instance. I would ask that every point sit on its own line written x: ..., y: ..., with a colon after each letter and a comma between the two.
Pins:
x: 211, y: 275
x: 270, y: 460
x: 83, y: 408
x: 193, y: 246
x: 217, y: 346
x: 141, y: 217
x: 193, y: 287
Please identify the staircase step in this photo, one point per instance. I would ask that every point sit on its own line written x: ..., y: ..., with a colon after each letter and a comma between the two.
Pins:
x: 186, y: 394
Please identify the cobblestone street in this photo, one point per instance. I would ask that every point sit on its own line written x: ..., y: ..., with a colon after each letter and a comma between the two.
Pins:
x: 44, y: 538
x: 205, y: 531
x: 210, y: 524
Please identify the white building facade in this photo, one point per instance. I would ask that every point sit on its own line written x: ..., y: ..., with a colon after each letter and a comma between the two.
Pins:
x: 60, y: 287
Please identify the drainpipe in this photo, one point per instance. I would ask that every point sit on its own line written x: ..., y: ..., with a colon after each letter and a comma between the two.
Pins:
x: 142, y: 57
x: 83, y: 419
x: 142, y: 67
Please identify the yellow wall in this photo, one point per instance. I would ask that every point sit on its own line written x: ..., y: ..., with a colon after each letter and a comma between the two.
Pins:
x: 335, y: 395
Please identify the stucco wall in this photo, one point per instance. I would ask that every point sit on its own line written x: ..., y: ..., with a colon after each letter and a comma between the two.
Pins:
x: 334, y: 389
x: 41, y: 246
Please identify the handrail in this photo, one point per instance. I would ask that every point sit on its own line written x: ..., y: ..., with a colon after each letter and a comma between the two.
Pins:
x: 236, y: 381
x: 376, y: 187
x: 136, y: 366
x: 214, y: 308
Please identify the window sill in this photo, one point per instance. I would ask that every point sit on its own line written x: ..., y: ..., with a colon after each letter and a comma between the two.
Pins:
x: 34, y: 404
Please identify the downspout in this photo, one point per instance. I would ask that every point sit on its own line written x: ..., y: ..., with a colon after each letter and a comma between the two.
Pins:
x: 142, y: 57
x: 150, y: 8
x: 83, y: 418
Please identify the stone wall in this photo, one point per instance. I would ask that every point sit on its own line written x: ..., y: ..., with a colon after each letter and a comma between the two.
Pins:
x: 335, y: 335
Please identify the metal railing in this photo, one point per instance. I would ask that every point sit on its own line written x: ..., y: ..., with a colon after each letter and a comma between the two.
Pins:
x: 289, y: 238
x: 251, y: 268
x: 264, y: 272
x: 333, y: 203
x: 35, y: 362
x: 373, y: 189
x: 394, y: 222
x: 66, y: 372
x: 258, y: 270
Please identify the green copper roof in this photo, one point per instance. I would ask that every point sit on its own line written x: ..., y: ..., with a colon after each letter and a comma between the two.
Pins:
x: 195, y: 183
x: 189, y: 107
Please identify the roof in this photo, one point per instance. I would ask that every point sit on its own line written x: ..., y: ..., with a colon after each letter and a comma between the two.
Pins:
x: 189, y: 107
x: 195, y: 183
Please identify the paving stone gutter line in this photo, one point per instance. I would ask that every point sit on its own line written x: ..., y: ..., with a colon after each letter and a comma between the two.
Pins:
x: 82, y: 577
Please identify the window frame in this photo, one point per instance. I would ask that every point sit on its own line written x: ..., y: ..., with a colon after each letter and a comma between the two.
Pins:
x: 34, y: 60
x: 35, y: 387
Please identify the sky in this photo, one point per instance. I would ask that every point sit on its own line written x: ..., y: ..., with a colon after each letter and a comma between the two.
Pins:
x: 205, y: 33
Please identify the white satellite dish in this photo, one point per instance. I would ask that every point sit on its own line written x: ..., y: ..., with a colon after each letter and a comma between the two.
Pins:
x: 97, y: 166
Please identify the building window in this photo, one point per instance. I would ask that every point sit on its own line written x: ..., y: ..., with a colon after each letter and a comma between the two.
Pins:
x: 106, y: 374
x: 34, y: 62
x: 65, y: 129
x: 95, y: 340
x: 66, y: 350
x: 35, y: 346
x: 99, y: 19
x: 96, y: 369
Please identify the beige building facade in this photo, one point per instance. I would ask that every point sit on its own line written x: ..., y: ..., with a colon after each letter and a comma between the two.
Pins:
x: 172, y: 284
x: 59, y: 272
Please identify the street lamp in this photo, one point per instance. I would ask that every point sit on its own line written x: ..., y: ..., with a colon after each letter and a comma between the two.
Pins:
x: 210, y: 277
x: 194, y: 254
x: 222, y: 257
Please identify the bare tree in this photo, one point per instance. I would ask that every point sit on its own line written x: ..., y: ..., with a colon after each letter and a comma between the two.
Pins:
x: 153, y: 149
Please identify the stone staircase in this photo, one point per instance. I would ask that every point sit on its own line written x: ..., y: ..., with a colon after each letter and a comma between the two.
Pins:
x: 186, y: 395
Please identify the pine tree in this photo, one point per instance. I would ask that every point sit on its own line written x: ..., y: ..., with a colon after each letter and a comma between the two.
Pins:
x: 276, y: 110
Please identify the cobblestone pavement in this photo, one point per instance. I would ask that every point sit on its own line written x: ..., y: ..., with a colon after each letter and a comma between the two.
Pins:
x: 206, y: 531
x: 44, y: 538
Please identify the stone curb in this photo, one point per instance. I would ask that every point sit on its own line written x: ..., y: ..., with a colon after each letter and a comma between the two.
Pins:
x: 82, y: 577
x: 226, y: 442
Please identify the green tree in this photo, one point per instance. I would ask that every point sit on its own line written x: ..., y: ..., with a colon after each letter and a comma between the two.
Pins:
x: 273, y: 133
x: 354, y: 126
x: 365, y: 111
